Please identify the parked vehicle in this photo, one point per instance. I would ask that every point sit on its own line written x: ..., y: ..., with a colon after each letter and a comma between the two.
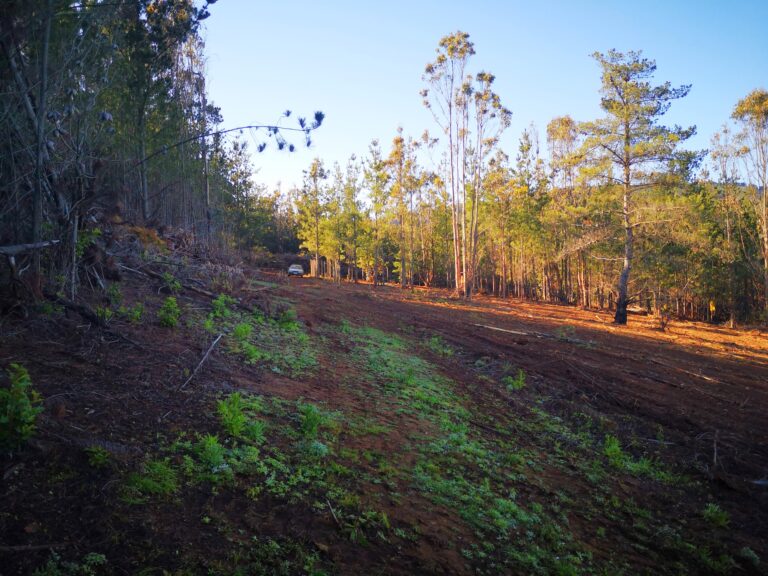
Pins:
x: 295, y: 270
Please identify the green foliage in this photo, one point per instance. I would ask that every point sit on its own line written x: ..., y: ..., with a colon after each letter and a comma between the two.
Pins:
x: 92, y: 564
x: 105, y: 314
x: 716, y: 516
x: 310, y: 418
x: 614, y: 453
x: 84, y: 239
x: 516, y: 382
x: 134, y: 314
x: 19, y: 407
x: 221, y: 306
x: 254, y: 354
x: 169, y: 313
x: 437, y: 345
x: 98, y: 457
x: 170, y: 283
x: 641, y: 467
x: 232, y: 414
x: 242, y: 331
x: 114, y: 294
x: 236, y: 418
x: 157, y: 478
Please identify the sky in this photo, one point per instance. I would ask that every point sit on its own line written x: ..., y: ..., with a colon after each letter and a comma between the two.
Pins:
x: 361, y: 63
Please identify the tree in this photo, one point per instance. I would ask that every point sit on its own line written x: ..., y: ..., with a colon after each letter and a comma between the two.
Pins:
x: 752, y: 113
x: 460, y: 105
x: 375, y: 180
x: 446, y: 100
x: 312, y: 205
x: 630, y: 140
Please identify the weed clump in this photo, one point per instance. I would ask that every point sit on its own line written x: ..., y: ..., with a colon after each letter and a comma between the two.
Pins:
x: 514, y: 383
x: 18, y: 408
x: 716, y: 516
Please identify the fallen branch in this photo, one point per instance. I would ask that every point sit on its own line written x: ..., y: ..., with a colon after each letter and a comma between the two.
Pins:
x: 157, y: 276
x: 17, y: 249
x: 205, y: 357
x: 536, y: 334
x: 684, y: 371
x: 333, y: 513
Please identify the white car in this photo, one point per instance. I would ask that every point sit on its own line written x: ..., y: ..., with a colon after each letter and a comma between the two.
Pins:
x: 295, y: 270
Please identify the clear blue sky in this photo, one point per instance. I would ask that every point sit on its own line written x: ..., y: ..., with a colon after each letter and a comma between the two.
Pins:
x: 361, y: 63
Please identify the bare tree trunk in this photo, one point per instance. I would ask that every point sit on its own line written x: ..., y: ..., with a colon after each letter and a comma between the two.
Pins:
x: 37, y: 214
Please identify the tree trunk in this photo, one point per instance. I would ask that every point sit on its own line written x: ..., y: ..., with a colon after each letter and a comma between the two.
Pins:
x: 37, y: 214
x: 621, y: 304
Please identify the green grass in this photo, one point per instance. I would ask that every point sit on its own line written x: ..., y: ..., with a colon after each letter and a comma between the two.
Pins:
x: 458, y: 469
x: 277, y: 344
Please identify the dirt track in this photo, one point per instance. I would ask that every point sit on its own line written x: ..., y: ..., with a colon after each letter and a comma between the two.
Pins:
x: 706, y: 385
x: 692, y: 399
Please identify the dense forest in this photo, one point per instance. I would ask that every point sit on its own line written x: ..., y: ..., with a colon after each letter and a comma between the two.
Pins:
x: 105, y: 117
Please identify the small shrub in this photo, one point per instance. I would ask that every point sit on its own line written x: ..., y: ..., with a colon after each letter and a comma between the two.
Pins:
x: 135, y: 313
x: 158, y: 478
x: 221, y: 306
x: 212, y: 456
x: 211, y: 453
x: 716, y: 516
x: 114, y: 294
x: 614, y: 453
x: 242, y: 332
x: 169, y: 313
x: 98, y: 457
x: 310, y: 419
x: 255, y: 430
x: 231, y: 414
x: 516, y: 382
x: 18, y: 408
x: 84, y: 239
x: 105, y: 314
x: 170, y: 283
x: 253, y: 354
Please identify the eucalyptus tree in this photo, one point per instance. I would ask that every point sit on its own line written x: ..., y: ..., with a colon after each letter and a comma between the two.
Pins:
x: 491, y: 119
x: 752, y: 113
x: 446, y: 99
x: 472, y: 117
x: 628, y: 145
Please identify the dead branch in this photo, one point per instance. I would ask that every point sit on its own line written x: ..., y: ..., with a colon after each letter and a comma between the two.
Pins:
x: 157, y: 276
x: 205, y: 357
x: 333, y: 513
x: 17, y: 249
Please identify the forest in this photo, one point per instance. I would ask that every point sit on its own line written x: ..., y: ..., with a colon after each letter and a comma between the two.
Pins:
x: 545, y: 359
x: 105, y: 112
